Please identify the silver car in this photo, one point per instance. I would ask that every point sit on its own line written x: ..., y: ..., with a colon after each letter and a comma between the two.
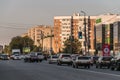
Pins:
x: 53, y: 59
x: 81, y: 61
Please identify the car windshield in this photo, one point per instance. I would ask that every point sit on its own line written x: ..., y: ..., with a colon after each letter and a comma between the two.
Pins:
x: 86, y: 58
x: 54, y: 57
x: 66, y: 56
x: 95, y: 58
x: 106, y: 58
x: 39, y: 53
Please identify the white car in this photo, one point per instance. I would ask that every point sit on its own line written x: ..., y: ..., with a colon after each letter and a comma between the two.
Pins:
x: 34, y: 57
x: 81, y: 61
x: 64, y: 59
x: 16, y: 57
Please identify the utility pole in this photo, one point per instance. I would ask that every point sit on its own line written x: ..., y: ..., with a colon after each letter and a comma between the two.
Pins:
x: 42, y: 35
x: 51, y: 41
x: 71, y: 35
x: 85, y: 30
x: 89, y: 26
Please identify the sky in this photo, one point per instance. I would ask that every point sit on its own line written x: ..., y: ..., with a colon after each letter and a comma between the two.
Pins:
x: 17, y: 16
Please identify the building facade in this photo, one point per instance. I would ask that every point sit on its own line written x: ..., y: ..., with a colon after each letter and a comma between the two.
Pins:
x: 41, y: 35
x: 63, y: 26
x: 107, y: 32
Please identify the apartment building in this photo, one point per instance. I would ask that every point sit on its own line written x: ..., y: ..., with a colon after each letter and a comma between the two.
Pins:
x: 62, y: 30
x: 24, y: 34
x: 41, y: 36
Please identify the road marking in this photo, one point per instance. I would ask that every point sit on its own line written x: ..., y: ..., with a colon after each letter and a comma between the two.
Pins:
x: 102, y: 73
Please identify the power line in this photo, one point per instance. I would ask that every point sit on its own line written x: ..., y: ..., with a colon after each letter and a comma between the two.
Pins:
x: 9, y: 27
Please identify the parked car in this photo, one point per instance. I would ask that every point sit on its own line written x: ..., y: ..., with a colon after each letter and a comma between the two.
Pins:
x: 16, y: 57
x: 115, y: 63
x: 81, y: 61
x: 104, y: 61
x: 34, y: 57
x: 95, y: 59
x: 74, y: 56
x: 91, y: 60
x: 64, y: 59
x: 53, y: 59
x: 4, y: 57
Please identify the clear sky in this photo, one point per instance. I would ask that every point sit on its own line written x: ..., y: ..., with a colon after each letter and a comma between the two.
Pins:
x: 16, y: 16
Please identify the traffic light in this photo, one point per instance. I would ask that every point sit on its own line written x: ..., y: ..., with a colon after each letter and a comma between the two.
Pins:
x: 80, y: 35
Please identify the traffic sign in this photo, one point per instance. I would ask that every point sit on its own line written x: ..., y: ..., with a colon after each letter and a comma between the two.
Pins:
x: 106, y: 50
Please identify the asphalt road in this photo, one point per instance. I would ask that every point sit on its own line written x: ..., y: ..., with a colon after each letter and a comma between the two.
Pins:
x: 18, y: 70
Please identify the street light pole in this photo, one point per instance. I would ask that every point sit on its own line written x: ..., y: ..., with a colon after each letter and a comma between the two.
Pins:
x: 85, y: 30
x: 42, y: 35
x: 71, y: 35
x: 51, y: 41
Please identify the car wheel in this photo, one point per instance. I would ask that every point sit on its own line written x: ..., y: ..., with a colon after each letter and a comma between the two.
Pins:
x: 76, y: 66
x: 112, y: 68
x: 88, y: 66
x: 108, y: 67
x: 96, y: 66
x: 73, y: 65
x: 100, y: 67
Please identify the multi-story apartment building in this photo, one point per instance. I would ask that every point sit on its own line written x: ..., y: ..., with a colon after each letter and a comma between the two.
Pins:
x: 25, y: 34
x: 41, y: 36
x: 62, y: 30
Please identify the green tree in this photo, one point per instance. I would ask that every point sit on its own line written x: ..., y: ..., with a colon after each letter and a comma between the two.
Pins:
x: 6, y: 49
x: 21, y: 42
x: 76, y: 46
x: 37, y: 49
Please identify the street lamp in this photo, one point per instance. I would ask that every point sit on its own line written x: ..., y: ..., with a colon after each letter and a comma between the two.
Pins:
x: 51, y: 41
x: 85, y: 30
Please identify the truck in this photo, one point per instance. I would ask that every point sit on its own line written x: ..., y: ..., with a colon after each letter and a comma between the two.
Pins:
x: 16, y: 54
x: 16, y: 51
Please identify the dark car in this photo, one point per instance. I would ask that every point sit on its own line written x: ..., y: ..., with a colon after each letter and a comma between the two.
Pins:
x: 4, y: 57
x: 115, y: 64
x: 104, y: 61
x: 95, y: 59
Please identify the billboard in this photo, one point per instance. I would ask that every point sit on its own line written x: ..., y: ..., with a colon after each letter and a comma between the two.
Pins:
x: 106, y: 50
x: 26, y: 49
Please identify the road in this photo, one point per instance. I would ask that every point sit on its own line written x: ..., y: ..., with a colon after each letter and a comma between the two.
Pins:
x: 18, y: 70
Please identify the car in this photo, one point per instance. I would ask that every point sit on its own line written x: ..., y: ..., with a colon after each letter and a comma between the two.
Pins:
x: 115, y: 63
x: 27, y: 58
x: 16, y: 57
x: 53, y: 59
x: 95, y: 59
x: 104, y: 61
x: 64, y: 59
x: 81, y: 61
x: 74, y: 56
x: 34, y: 57
x: 91, y: 60
x: 4, y: 57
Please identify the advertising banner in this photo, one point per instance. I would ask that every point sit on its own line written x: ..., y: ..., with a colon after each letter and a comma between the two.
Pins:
x: 106, y: 50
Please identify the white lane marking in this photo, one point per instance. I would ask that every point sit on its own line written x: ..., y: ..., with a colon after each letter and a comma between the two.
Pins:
x: 102, y: 73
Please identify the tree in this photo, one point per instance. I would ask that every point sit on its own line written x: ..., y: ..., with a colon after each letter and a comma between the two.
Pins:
x: 6, y: 49
x: 76, y: 46
x: 21, y: 42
